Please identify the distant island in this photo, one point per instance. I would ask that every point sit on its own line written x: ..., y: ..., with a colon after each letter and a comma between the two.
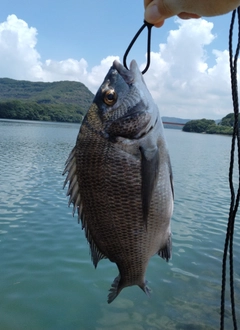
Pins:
x: 208, y: 126
x: 68, y: 101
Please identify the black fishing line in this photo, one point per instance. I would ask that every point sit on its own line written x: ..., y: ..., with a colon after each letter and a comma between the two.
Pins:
x: 149, y: 27
x: 234, y: 198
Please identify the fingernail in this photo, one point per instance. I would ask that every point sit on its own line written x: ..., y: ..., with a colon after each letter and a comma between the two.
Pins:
x: 152, y: 14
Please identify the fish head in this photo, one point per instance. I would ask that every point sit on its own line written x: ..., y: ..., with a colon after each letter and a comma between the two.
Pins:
x: 125, y: 106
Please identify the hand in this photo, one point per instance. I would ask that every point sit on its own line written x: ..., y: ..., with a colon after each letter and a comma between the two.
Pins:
x: 156, y: 11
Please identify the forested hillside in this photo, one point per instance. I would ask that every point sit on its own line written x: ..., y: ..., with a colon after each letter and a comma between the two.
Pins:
x: 224, y: 126
x: 57, y: 101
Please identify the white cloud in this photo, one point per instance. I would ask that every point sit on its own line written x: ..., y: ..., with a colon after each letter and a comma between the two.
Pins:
x: 18, y: 56
x: 179, y: 78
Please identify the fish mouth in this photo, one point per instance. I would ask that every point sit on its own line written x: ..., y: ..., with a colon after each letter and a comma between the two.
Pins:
x: 130, y: 75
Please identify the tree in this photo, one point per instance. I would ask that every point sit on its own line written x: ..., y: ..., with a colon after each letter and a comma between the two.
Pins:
x: 198, y: 126
x: 210, y: 127
x: 228, y: 120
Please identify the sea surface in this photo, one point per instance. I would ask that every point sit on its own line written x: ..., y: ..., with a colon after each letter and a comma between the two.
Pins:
x: 47, y: 280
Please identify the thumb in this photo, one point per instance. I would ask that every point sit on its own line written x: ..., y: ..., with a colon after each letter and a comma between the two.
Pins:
x: 158, y: 10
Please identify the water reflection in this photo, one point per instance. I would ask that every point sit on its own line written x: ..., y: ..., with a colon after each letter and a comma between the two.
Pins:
x: 47, y: 278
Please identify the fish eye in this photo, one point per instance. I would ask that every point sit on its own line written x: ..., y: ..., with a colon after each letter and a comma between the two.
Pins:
x: 110, y: 97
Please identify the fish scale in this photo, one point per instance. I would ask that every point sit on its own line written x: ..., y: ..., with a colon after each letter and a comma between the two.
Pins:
x: 120, y: 178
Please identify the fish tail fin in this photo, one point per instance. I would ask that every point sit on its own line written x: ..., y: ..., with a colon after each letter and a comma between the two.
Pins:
x: 145, y: 288
x: 115, y: 289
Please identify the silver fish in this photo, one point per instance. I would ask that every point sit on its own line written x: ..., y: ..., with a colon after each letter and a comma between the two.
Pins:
x: 120, y: 178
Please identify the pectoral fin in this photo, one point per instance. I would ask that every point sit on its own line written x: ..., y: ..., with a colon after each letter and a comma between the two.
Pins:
x: 149, y: 173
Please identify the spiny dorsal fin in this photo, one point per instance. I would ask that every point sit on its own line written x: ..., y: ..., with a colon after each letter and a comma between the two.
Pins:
x: 75, y: 199
x: 73, y: 187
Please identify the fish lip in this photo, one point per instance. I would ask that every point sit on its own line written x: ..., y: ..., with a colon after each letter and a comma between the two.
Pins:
x: 130, y: 75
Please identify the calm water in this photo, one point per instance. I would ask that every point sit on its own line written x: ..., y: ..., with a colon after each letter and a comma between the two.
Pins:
x: 47, y: 280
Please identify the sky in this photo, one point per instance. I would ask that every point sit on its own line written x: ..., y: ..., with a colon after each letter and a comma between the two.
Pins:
x: 78, y: 40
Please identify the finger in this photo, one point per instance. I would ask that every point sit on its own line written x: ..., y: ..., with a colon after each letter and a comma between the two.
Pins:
x: 146, y: 3
x: 152, y: 15
x: 159, y: 24
x: 184, y: 15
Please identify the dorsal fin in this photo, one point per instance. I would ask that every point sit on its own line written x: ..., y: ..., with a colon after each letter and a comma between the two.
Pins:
x: 75, y: 199
x: 96, y: 254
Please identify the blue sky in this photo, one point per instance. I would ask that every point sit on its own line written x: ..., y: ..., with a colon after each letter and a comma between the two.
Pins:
x: 77, y: 40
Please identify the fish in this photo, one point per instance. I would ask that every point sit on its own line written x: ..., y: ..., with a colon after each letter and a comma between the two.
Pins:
x: 120, y: 178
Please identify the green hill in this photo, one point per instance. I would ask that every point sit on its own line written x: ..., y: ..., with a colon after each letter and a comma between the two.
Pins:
x: 56, y: 101
x: 224, y: 126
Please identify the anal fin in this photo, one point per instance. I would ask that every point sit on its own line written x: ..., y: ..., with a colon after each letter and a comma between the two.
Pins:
x: 166, y: 251
x: 114, y: 290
